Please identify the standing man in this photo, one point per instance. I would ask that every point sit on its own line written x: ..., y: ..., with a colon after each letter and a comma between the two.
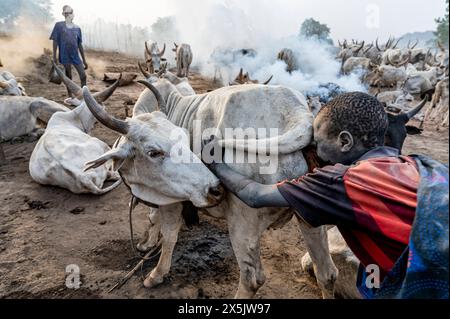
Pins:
x: 67, y: 38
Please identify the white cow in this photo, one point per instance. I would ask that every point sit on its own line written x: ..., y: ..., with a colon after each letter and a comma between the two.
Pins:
x: 59, y: 157
x: 149, y: 168
x: 9, y: 85
x: 153, y: 56
x: 358, y: 64
x: 242, y: 79
x: 399, y: 96
x: 418, y: 84
x: 390, y: 76
x: 432, y: 74
x: 349, y: 50
x: 184, y: 57
x: 20, y: 114
x: 346, y: 262
x: 288, y: 57
x: 182, y: 84
x: 439, y: 109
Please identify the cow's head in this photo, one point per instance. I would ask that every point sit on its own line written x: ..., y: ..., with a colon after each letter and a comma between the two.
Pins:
x: 242, y: 78
x: 154, y: 158
x: 314, y: 104
x: 155, y: 76
x: 11, y: 87
x: 154, y: 57
x: 398, y: 129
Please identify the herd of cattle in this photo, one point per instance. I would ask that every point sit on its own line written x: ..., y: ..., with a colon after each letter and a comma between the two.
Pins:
x: 67, y: 156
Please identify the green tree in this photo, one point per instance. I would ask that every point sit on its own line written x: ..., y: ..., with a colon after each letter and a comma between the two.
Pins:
x: 312, y: 29
x: 442, y: 28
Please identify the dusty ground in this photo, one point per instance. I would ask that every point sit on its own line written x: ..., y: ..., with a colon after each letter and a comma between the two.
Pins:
x: 44, y: 229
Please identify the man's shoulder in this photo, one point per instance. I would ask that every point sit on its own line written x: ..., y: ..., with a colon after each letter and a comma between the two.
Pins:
x: 59, y: 23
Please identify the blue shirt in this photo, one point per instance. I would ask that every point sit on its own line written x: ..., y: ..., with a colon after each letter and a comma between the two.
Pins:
x: 68, y: 40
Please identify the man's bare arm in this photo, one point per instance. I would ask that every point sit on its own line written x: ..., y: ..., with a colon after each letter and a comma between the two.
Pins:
x: 80, y: 47
x: 55, y: 51
x: 253, y: 194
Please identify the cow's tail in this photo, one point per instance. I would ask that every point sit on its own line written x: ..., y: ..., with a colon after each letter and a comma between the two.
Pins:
x: 292, y: 141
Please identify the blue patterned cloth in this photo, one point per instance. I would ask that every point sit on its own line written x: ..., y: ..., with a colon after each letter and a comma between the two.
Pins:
x: 422, y: 272
x: 68, y: 40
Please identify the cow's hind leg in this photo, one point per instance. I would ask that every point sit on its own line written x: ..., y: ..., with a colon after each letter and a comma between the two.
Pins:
x: 326, y: 272
x: 245, y: 233
x: 171, y: 222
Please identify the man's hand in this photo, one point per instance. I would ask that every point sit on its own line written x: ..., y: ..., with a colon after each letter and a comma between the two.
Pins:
x: 86, y: 66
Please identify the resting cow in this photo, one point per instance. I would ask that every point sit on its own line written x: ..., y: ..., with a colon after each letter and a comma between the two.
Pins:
x: 9, y: 85
x: 59, y: 157
x: 245, y: 79
x: 20, y: 114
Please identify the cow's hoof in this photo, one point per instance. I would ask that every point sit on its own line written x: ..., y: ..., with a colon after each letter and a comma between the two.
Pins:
x: 151, y: 282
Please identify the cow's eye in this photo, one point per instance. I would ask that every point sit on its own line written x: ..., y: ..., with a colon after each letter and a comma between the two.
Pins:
x: 155, y: 154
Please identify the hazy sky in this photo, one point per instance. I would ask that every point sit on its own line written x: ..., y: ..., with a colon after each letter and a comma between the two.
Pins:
x: 362, y: 19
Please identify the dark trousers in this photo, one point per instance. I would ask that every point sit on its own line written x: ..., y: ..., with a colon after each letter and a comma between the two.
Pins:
x: 81, y: 73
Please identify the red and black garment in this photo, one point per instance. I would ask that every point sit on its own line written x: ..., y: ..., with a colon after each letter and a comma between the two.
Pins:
x: 373, y: 203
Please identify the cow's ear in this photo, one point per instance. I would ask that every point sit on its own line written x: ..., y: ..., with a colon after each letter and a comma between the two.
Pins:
x: 412, y: 130
x: 119, y: 155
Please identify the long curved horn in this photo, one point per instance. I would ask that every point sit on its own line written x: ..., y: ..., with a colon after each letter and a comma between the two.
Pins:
x: 439, y: 43
x: 159, y: 98
x: 368, y: 49
x: 390, y: 42
x: 389, y: 60
x: 161, y: 53
x: 144, y: 72
x: 241, y: 73
x: 435, y: 60
x: 268, y: 81
x: 414, y: 46
x: 409, y: 44
x: 102, y: 116
x: 339, y: 42
x: 147, y: 49
x: 406, y: 61
x: 71, y: 85
x: 396, y: 44
x: 360, y: 48
x: 101, y: 97
x: 377, y: 45
x: 417, y: 109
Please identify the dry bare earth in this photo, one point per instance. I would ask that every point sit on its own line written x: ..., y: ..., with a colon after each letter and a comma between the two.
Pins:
x: 44, y: 229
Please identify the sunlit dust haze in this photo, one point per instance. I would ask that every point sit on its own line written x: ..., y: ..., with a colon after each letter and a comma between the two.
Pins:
x: 27, y: 41
x: 266, y: 26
